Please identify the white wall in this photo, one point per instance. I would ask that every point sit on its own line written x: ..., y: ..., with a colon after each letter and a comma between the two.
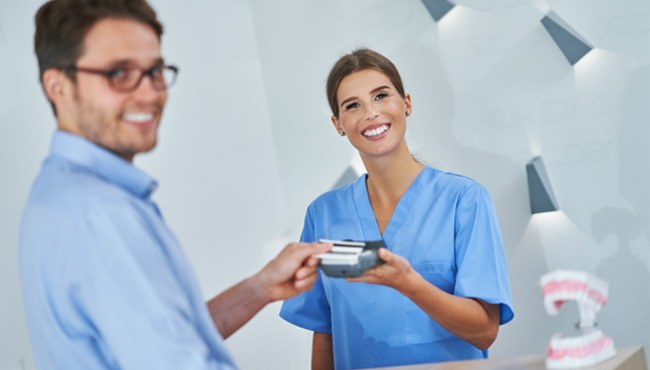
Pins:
x: 246, y: 142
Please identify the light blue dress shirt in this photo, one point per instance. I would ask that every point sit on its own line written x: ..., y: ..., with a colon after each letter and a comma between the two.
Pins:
x: 105, y: 283
x: 446, y: 227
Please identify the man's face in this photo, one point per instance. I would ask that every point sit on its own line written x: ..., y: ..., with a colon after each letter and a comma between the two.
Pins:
x: 125, y: 123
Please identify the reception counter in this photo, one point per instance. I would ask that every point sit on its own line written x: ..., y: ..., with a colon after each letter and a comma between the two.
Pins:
x: 627, y: 358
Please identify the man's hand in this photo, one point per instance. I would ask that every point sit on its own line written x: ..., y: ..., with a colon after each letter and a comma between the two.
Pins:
x: 292, y: 271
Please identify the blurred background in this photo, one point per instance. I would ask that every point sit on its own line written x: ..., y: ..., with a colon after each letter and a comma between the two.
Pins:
x: 246, y: 143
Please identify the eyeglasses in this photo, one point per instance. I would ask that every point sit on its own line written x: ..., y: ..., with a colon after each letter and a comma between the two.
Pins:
x: 127, y: 79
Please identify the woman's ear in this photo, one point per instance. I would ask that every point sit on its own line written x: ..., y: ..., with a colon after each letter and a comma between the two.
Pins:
x: 408, y: 106
x: 337, y: 126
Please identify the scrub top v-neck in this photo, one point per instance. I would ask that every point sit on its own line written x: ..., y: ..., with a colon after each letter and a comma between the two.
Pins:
x: 367, y: 216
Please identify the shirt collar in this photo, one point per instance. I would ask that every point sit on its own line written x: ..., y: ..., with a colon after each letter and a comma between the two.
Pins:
x: 100, y: 161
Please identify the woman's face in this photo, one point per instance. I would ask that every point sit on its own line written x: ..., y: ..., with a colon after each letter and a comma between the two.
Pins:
x: 371, y: 112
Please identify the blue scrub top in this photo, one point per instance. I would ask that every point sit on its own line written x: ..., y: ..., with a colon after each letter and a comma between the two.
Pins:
x: 446, y: 227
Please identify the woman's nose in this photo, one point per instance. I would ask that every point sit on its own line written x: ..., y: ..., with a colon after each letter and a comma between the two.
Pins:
x: 372, y: 112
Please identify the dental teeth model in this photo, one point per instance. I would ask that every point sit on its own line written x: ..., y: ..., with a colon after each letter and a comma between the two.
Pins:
x: 590, y: 293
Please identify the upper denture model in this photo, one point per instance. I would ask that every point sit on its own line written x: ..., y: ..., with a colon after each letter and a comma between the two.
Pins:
x: 590, y: 293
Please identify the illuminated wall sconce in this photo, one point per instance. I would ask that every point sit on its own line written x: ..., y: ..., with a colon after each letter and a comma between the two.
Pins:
x: 572, y: 45
x: 539, y: 188
x: 352, y: 171
x: 438, y: 8
x: 347, y: 177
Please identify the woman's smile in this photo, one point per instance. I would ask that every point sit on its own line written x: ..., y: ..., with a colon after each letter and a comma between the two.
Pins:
x: 375, y: 131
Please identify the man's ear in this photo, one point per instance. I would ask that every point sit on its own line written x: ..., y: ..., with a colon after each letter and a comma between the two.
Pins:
x: 55, y: 83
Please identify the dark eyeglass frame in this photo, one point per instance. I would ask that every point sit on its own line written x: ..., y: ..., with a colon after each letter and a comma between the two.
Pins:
x: 156, y: 74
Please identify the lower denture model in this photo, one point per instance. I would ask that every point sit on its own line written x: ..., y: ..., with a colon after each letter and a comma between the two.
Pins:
x: 590, y: 293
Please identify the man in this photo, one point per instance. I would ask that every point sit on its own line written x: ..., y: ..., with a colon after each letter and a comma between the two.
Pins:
x: 105, y: 283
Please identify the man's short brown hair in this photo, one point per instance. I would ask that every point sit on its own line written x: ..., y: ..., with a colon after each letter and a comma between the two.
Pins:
x: 61, y: 26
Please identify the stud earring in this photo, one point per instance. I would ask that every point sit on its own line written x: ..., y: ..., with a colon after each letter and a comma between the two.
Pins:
x: 341, y: 133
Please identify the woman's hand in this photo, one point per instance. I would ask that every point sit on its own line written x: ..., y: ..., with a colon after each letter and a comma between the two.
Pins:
x: 396, y: 272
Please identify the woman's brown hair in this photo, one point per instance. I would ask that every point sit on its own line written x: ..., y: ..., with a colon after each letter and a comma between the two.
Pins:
x: 358, y: 60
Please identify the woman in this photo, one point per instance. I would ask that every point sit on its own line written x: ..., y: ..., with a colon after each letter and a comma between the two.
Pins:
x: 443, y: 290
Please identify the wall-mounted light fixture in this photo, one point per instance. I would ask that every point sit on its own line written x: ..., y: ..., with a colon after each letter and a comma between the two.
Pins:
x: 352, y: 171
x: 572, y: 45
x: 438, y: 8
x: 540, y: 191
x: 348, y: 176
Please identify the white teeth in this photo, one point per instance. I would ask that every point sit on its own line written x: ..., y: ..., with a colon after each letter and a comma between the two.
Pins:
x: 377, y: 131
x: 138, y: 117
x: 561, y: 286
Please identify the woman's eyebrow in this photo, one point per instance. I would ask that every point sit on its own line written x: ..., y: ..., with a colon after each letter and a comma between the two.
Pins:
x: 347, y: 100
x: 379, y: 88
x: 371, y: 92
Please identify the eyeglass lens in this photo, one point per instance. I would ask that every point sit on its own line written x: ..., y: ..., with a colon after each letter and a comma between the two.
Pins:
x: 162, y: 78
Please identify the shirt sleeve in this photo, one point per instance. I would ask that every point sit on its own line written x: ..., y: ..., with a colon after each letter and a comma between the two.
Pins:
x: 309, y: 310
x: 482, y: 270
x: 122, y: 296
